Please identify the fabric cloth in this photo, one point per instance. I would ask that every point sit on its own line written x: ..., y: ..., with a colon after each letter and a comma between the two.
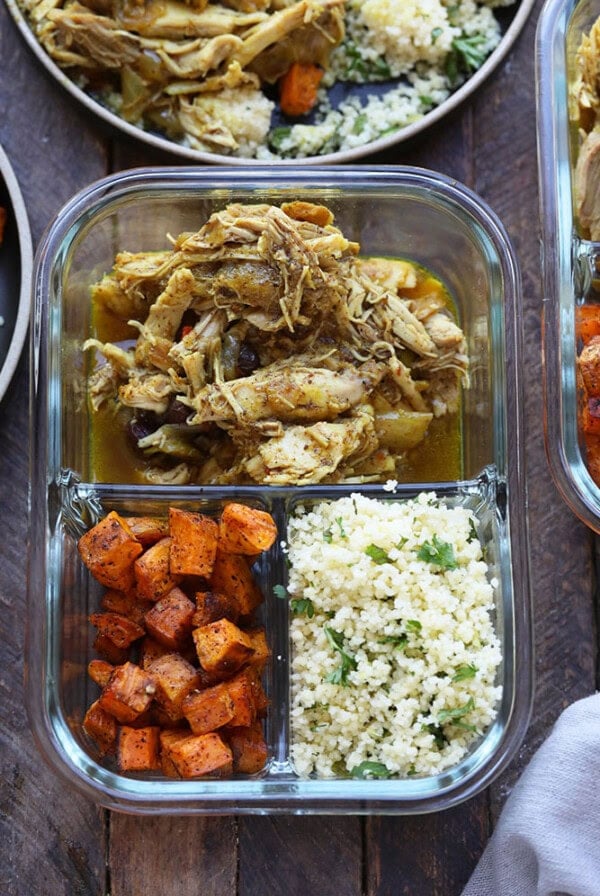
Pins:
x: 547, y: 841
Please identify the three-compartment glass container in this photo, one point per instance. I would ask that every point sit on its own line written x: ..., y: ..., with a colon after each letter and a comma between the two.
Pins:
x: 394, y: 212
x: 570, y: 255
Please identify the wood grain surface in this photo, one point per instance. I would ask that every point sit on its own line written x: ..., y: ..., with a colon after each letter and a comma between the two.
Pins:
x: 55, y: 842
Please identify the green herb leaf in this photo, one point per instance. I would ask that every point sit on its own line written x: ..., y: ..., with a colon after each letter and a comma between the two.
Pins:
x: 399, y: 641
x: 464, y: 672
x: 340, y: 523
x: 370, y: 769
x: 303, y: 606
x: 280, y: 591
x: 378, y: 555
x: 467, y: 55
x: 347, y: 661
x: 438, y: 553
x: 328, y: 536
x: 277, y: 137
x: 472, y: 532
x: 438, y: 735
x: 453, y: 715
x: 413, y: 625
x: 435, y: 34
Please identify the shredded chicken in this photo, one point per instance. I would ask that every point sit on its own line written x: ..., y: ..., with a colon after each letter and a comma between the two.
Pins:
x: 193, y: 70
x: 269, y: 350
x: 585, y: 113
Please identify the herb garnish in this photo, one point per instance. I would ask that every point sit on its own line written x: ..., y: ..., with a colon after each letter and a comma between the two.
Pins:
x: 347, y: 661
x: 378, y: 555
x: 303, y: 606
x: 438, y: 553
x: 467, y: 55
x: 454, y: 716
x: 280, y: 591
x: 468, y: 670
x: 370, y: 769
x: 399, y: 641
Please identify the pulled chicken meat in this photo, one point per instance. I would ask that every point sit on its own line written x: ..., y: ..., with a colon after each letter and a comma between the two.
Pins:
x: 268, y: 350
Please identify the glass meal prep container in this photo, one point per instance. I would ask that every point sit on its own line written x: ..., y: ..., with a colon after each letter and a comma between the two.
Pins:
x: 569, y: 256
x: 396, y: 212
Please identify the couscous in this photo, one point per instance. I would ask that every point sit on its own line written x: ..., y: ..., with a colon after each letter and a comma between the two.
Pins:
x: 395, y: 656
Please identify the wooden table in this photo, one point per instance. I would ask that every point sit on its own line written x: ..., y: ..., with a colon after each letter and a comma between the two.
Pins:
x: 52, y: 841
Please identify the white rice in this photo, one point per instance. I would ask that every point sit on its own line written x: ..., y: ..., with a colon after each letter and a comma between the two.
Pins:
x: 418, y: 684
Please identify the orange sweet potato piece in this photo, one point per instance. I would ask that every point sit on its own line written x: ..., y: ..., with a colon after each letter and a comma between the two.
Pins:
x: 100, y: 672
x: 193, y: 543
x: 193, y: 756
x: 153, y: 576
x: 101, y: 727
x: 125, y: 604
x: 262, y: 653
x: 222, y: 646
x: 232, y: 575
x: 298, y: 88
x: 148, y: 529
x: 170, y: 620
x: 209, y: 709
x: 213, y: 605
x: 245, y: 530
x: 241, y: 689
x: 129, y: 693
x: 249, y: 748
x: 175, y: 678
x: 109, y: 550
x: 138, y: 749
x: 109, y: 650
x: 118, y: 629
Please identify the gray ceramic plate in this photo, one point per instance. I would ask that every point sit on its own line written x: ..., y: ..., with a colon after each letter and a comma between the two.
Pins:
x: 513, y: 19
x: 15, y: 274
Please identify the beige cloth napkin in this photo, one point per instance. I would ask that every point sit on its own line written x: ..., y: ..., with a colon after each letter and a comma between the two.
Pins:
x: 547, y: 841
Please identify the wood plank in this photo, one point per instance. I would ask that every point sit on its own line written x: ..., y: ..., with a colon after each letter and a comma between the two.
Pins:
x: 164, y: 855
x: 300, y: 855
x: 426, y: 854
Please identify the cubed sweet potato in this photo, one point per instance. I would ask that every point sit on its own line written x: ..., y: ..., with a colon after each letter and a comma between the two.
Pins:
x: 193, y: 542
x: 100, y: 672
x: 153, y: 576
x: 209, y: 709
x: 109, y: 650
x: 118, y: 629
x: 213, y: 605
x: 241, y: 690
x: 138, y: 749
x: 129, y: 693
x: 126, y: 604
x: 194, y: 756
x: 245, y: 530
x: 170, y: 620
x: 248, y: 747
x: 175, y: 678
x: 109, y: 550
x: 222, y: 646
x: 101, y: 727
x: 262, y: 653
x: 232, y: 575
x: 148, y: 529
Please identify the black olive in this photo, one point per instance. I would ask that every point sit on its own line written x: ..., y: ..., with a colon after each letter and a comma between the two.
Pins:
x: 141, y: 426
x: 177, y: 412
x: 248, y: 361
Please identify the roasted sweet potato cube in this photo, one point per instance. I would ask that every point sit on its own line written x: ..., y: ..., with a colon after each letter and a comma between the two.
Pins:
x: 129, y: 693
x: 241, y: 689
x: 249, y: 749
x: 262, y: 653
x: 170, y: 620
x: 148, y: 529
x: 138, y: 749
x: 213, y: 605
x: 222, y: 646
x: 100, y: 672
x: 109, y: 550
x: 153, y: 576
x: 175, y: 678
x: 194, y: 756
x: 245, y: 530
x: 232, y: 575
x: 118, y: 629
x: 150, y: 650
x: 193, y: 542
x: 101, y: 727
x: 261, y: 701
x: 125, y: 604
x: 109, y: 650
x: 209, y: 709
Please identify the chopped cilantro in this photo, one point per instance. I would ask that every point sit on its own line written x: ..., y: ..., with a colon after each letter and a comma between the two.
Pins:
x: 435, y: 34
x: 438, y: 735
x: 438, y: 553
x: 303, y: 606
x: 347, y: 661
x: 278, y: 136
x: 472, y: 532
x: 413, y: 625
x: 464, y: 672
x: 280, y: 591
x: 328, y: 536
x: 454, y: 716
x: 340, y: 523
x: 377, y: 554
x: 399, y: 641
x: 467, y: 55
x: 370, y: 769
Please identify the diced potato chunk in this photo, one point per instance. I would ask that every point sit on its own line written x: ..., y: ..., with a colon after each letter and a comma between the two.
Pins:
x: 232, y: 575
x: 194, y: 543
x: 129, y: 693
x: 153, y: 575
x: 170, y: 620
x: 194, y: 756
x: 222, y: 646
x: 109, y: 550
x: 245, y: 530
x: 138, y: 749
